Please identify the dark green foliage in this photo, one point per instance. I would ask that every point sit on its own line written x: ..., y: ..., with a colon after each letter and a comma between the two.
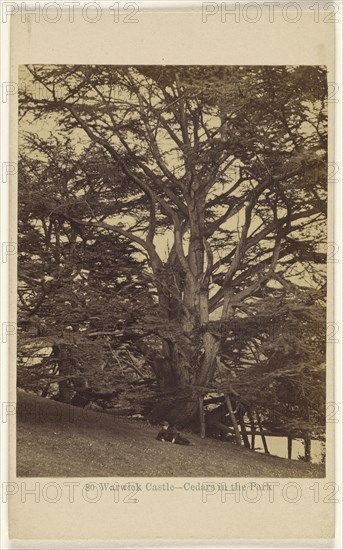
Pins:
x: 171, y: 220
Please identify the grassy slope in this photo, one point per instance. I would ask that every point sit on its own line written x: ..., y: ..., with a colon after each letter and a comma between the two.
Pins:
x: 57, y: 440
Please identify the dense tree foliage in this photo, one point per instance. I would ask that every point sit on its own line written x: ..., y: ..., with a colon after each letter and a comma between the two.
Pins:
x: 187, y: 205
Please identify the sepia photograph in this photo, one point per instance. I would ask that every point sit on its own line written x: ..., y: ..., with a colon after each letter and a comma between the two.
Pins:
x: 172, y: 271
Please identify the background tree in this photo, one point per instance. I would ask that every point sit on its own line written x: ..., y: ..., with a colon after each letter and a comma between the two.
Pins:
x: 80, y: 294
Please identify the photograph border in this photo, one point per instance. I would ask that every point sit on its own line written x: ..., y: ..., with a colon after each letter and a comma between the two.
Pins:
x: 21, y: 528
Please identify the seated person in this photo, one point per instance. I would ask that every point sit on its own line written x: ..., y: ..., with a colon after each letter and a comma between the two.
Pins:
x: 167, y: 433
